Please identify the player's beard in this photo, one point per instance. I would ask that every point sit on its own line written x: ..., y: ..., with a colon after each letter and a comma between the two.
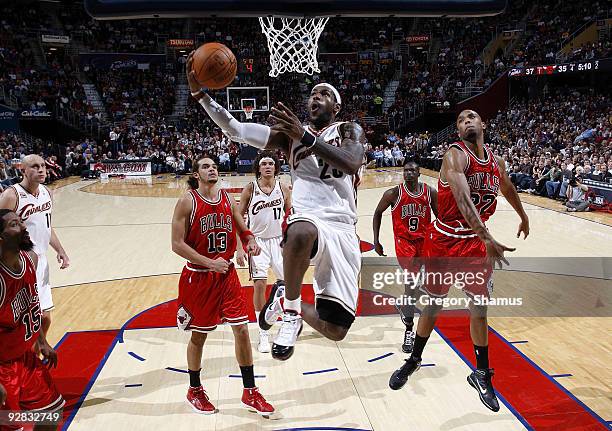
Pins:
x: 26, y: 243
x: 213, y: 180
x: 471, y: 136
x: 322, y: 120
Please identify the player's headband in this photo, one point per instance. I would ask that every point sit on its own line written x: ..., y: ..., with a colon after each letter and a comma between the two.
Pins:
x: 332, y: 89
x: 267, y: 159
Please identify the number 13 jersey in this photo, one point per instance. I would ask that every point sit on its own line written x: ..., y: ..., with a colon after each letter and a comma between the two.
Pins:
x: 319, y: 189
x: 211, y: 231
x: 483, y: 179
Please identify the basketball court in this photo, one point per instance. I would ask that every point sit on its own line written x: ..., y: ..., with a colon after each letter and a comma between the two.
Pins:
x: 123, y: 364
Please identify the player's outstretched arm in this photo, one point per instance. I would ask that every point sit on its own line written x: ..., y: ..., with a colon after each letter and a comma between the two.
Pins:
x: 452, y: 171
x: 256, y: 135
x: 347, y: 158
x: 180, y: 223
x: 509, y: 192
x: 388, y: 198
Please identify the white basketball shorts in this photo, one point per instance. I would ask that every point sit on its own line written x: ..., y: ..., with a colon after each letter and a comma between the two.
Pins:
x: 42, y: 281
x: 337, y: 261
x: 271, y: 256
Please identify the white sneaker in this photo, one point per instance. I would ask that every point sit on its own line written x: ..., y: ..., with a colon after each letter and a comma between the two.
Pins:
x: 264, y: 342
x: 273, y: 308
x: 282, y: 348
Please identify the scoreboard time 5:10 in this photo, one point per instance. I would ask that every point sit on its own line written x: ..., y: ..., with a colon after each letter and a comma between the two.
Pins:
x: 554, y: 69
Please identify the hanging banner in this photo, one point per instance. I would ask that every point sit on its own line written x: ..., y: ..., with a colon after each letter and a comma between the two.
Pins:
x: 180, y: 43
x: 9, y: 120
x: 118, y: 61
x: 54, y: 38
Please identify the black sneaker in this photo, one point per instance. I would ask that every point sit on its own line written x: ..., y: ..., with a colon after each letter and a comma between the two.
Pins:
x: 272, y: 309
x: 405, y: 320
x: 400, y: 377
x: 408, y: 344
x: 481, y: 381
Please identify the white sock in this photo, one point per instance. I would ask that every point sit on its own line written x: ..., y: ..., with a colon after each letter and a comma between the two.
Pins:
x: 257, y: 315
x: 295, y: 304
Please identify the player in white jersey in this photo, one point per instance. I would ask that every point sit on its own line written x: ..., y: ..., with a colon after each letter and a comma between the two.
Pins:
x: 265, y: 201
x: 33, y: 203
x: 325, y: 157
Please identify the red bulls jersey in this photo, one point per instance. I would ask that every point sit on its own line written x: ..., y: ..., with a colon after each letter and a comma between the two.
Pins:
x: 483, y: 179
x: 20, y: 315
x: 411, y: 213
x: 212, y: 231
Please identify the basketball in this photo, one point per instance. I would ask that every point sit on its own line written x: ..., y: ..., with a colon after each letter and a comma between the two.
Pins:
x: 214, y: 65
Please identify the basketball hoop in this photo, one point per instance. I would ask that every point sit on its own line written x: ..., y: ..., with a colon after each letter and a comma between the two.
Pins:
x: 293, y: 47
x: 248, y: 111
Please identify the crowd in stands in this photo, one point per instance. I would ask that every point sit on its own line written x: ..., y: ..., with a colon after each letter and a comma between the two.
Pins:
x: 551, y: 145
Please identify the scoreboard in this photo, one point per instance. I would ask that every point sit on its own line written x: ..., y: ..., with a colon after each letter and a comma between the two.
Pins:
x: 555, y: 69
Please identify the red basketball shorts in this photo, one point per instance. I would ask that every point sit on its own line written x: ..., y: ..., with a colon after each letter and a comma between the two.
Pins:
x: 456, y: 262
x: 208, y: 298
x: 28, y: 386
x: 407, y: 251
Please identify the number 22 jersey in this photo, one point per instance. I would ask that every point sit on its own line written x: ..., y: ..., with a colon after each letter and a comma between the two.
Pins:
x: 483, y: 179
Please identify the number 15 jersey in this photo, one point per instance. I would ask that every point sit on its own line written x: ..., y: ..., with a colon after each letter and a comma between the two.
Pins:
x: 319, y: 189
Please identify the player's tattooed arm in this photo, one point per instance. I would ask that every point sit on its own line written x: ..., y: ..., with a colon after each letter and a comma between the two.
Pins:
x: 348, y: 158
x: 509, y: 192
x: 388, y: 199
x: 287, y: 195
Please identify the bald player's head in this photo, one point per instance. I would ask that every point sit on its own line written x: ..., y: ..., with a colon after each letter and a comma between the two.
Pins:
x: 470, y: 125
x: 34, y: 170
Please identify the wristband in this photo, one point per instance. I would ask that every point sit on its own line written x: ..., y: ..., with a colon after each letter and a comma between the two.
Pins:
x: 244, y: 236
x: 308, y: 139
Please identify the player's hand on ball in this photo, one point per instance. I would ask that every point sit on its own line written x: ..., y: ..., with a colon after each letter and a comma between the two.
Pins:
x: 241, y: 256
x: 287, y: 122
x: 219, y: 265
x: 2, y: 395
x: 63, y: 260
x: 194, y: 86
x: 252, y: 248
x: 495, y: 252
x: 47, y: 352
x: 378, y: 248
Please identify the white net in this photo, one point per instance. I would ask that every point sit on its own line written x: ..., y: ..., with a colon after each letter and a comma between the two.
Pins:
x: 248, y: 112
x: 293, y: 43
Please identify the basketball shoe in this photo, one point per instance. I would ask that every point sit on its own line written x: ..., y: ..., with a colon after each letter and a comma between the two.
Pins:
x: 408, y: 341
x: 400, y: 377
x: 481, y: 381
x: 273, y: 308
x: 255, y: 402
x: 198, y: 400
x: 264, y: 342
x: 291, y: 328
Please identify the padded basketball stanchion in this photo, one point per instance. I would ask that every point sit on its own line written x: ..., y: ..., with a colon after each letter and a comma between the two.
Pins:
x: 293, y: 47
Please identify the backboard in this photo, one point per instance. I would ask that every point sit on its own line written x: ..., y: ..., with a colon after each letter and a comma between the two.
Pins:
x: 114, y: 9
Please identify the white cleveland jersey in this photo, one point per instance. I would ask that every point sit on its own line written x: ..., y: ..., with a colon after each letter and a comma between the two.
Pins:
x: 35, y: 212
x: 266, y: 211
x: 318, y: 188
